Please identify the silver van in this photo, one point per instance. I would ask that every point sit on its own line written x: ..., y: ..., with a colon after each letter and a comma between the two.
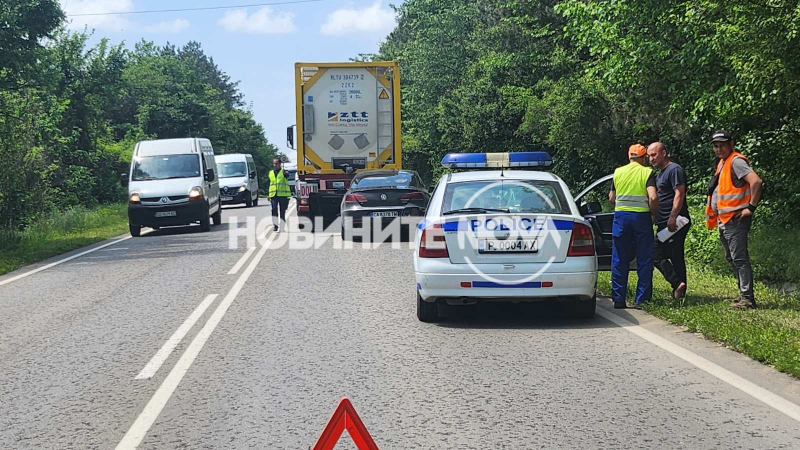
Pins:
x: 173, y: 182
x: 238, y: 179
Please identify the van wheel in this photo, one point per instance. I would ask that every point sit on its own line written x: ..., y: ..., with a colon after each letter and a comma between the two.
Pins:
x: 584, y: 309
x: 205, y: 223
x: 136, y: 230
x: 255, y: 201
x: 426, y: 311
x: 249, y: 202
x: 217, y: 217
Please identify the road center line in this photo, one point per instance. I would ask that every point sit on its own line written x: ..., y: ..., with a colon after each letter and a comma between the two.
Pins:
x: 142, y: 425
x: 61, y: 261
x: 241, y: 261
x: 781, y: 404
x: 158, y: 359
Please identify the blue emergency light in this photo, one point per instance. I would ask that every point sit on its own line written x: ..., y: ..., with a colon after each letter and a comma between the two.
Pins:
x: 496, y: 160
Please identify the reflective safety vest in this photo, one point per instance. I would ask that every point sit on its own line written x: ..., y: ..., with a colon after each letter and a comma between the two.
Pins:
x: 278, y: 187
x: 727, y: 198
x: 630, y: 183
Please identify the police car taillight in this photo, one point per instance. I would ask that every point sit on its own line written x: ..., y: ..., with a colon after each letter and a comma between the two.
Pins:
x: 581, y: 243
x: 432, y: 243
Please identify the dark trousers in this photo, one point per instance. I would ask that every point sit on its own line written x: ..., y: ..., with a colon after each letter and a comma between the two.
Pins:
x: 669, y: 257
x: 734, y: 240
x: 632, y: 237
x: 279, y: 203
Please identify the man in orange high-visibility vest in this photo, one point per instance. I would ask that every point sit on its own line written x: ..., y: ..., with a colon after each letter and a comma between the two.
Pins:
x: 733, y: 195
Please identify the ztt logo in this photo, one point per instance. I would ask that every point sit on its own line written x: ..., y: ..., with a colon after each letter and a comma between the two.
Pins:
x: 354, y: 116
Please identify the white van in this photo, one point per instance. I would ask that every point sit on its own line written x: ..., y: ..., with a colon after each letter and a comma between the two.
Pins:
x: 173, y: 182
x: 291, y: 169
x: 238, y: 179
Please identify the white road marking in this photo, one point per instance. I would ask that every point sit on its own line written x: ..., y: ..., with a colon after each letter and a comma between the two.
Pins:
x: 158, y: 359
x: 142, y: 425
x: 241, y: 261
x: 781, y: 404
x: 61, y: 261
x: 116, y: 249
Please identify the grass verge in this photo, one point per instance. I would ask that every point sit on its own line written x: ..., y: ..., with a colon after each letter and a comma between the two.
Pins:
x: 59, y: 233
x: 770, y: 334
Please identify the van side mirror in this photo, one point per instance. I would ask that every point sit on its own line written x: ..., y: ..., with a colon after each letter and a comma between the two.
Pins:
x: 591, y: 208
x: 290, y: 136
x: 253, y: 175
x: 123, y: 179
x: 210, y: 175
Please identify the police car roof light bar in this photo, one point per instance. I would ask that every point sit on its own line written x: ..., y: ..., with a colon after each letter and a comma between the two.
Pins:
x: 496, y: 160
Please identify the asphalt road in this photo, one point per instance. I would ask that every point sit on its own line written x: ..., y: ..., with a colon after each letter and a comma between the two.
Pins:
x: 261, y: 357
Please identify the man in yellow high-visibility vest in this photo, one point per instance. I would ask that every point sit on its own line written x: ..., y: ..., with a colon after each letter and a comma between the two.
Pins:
x: 279, y: 193
x: 633, y: 193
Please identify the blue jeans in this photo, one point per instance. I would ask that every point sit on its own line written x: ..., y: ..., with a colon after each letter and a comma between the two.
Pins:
x: 632, y: 236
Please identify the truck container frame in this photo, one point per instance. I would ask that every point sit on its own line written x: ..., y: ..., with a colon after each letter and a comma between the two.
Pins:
x: 321, y: 185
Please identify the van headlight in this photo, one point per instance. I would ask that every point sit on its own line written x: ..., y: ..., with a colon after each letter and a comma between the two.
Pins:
x: 243, y: 188
x: 134, y: 199
x: 196, y: 193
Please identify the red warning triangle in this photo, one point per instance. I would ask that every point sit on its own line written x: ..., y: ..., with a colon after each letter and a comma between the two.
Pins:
x: 345, y: 418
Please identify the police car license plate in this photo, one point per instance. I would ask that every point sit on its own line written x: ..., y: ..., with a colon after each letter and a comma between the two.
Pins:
x: 166, y: 214
x: 226, y: 199
x: 385, y: 214
x: 516, y: 245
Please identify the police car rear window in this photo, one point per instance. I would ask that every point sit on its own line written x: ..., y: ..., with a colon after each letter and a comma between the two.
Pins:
x: 517, y: 196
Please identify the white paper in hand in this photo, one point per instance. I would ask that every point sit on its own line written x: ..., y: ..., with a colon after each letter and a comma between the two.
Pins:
x: 665, y: 234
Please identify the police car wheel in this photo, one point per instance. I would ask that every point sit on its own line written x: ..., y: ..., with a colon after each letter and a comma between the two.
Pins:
x: 426, y: 311
x: 584, y: 309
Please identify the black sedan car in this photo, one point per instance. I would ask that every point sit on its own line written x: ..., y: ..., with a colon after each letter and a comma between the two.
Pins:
x: 381, y: 196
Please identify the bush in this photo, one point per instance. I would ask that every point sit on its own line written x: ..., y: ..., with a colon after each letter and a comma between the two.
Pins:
x: 772, y: 247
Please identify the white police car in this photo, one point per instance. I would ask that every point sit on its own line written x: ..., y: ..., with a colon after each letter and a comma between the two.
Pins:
x: 503, y: 235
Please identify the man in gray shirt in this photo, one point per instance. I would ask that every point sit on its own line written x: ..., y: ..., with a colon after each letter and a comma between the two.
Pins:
x: 734, y: 192
x: 671, y: 187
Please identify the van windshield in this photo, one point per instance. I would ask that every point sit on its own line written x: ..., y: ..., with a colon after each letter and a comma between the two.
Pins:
x: 232, y: 169
x: 165, y: 167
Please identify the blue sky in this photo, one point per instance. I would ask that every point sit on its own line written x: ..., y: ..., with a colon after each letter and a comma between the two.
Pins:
x: 257, y: 46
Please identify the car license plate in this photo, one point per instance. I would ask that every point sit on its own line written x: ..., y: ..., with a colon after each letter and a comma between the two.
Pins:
x: 515, y: 245
x: 166, y: 214
x: 385, y: 214
x: 226, y: 199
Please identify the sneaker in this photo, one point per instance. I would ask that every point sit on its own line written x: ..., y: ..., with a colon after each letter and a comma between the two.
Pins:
x: 620, y: 305
x: 275, y: 228
x: 743, y: 304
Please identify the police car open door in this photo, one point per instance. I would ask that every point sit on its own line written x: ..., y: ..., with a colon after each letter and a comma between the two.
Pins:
x: 599, y: 212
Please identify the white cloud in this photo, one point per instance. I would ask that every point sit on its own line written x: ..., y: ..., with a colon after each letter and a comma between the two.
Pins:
x: 107, y: 22
x: 168, y: 26
x: 369, y: 19
x: 263, y: 21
